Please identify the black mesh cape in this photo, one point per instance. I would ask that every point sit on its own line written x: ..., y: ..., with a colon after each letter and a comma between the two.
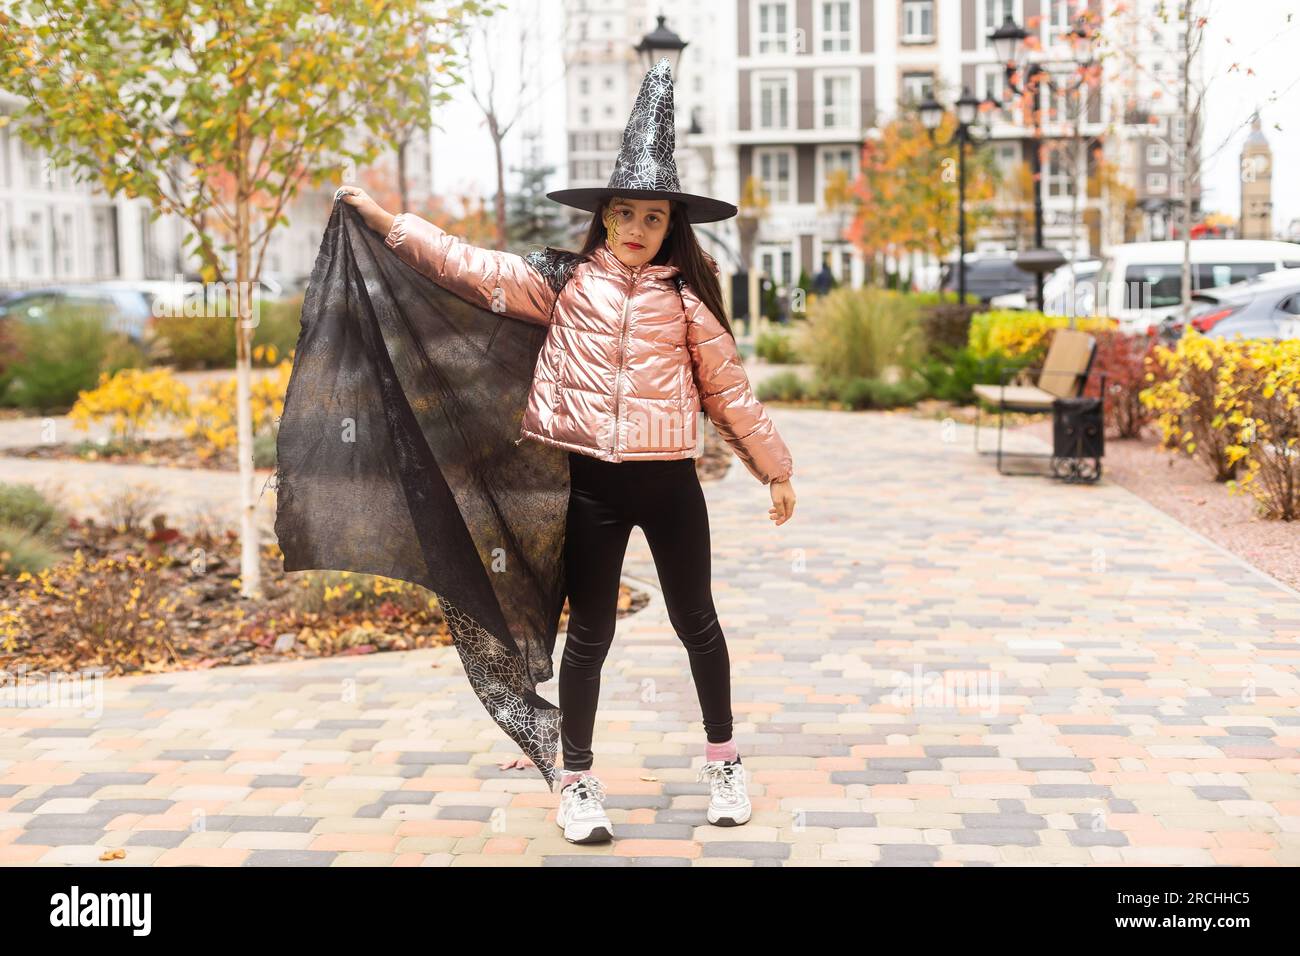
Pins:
x: 396, y: 456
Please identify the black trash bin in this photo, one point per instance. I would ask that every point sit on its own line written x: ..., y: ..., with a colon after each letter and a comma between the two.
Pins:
x: 1078, y: 438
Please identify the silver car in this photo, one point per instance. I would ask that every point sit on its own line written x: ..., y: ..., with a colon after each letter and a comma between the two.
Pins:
x: 1264, y: 307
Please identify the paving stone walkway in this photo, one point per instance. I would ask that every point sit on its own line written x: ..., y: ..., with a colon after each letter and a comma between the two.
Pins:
x: 932, y: 665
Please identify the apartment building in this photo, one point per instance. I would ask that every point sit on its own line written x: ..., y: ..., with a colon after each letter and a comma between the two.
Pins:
x: 1143, y: 81
x: 788, y: 91
x: 55, y: 230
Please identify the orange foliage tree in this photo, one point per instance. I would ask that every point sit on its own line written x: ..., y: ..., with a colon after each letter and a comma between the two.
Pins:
x: 907, y: 193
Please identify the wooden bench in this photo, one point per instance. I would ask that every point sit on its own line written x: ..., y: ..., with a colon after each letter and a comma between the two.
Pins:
x: 1062, y: 375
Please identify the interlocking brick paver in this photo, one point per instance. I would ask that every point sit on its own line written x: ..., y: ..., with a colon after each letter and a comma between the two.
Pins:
x: 932, y: 665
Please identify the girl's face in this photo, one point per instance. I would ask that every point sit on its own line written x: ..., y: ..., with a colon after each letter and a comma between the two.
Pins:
x: 635, y: 229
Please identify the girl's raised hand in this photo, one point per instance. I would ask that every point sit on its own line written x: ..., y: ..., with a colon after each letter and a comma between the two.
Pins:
x: 374, y: 215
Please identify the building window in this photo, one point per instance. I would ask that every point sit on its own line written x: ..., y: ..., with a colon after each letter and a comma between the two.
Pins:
x: 774, y: 102
x: 584, y: 116
x: 773, y: 27
x: 31, y: 158
x: 836, y: 26
x: 1060, y: 178
x: 1176, y: 186
x: 778, y: 263
x: 1059, y: 105
x: 917, y: 87
x: 918, y: 21
x: 775, y: 174
x: 835, y: 158
x: 584, y: 85
x: 1179, y: 128
x: 836, y: 106
x: 1058, y: 23
x: 1157, y: 182
x: 991, y: 81
x: 995, y: 13
x: 1157, y: 155
x: 1180, y: 154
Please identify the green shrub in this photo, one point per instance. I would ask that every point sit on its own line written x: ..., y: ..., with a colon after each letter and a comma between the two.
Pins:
x: 279, y: 323
x: 952, y: 374
x: 864, y: 393
x: 197, y: 341
x: 862, y: 333
x: 24, y: 508
x: 784, y: 387
x: 208, y: 341
x: 62, y: 354
x: 776, y: 346
x: 264, y: 450
x: 21, y: 550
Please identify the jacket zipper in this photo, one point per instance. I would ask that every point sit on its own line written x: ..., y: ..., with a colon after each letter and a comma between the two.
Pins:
x: 618, y: 375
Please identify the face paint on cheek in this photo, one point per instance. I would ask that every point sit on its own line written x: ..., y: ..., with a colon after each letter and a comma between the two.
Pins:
x: 611, y: 228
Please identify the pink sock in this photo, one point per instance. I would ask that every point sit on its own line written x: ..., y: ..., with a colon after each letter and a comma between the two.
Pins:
x: 570, y: 776
x: 725, y: 751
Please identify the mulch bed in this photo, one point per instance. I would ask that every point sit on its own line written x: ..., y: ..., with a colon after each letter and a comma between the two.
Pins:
x: 177, y: 452
x: 210, y: 624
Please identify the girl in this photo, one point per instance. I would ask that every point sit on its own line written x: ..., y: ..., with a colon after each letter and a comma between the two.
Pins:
x: 637, y: 346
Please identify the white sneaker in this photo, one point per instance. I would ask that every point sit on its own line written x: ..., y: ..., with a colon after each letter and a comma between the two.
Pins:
x: 582, y: 814
x: 729, y: 797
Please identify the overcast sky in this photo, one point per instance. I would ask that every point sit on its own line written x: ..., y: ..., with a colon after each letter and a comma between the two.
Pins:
x: 1255, y: 34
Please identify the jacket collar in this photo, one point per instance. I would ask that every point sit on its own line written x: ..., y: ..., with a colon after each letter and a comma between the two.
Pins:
x: 603, y: 255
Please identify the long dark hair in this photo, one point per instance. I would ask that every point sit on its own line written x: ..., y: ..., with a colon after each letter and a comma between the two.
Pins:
x: 679, y: 248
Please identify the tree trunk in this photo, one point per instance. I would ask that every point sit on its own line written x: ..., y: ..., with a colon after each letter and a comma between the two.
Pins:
x: 250, y: 568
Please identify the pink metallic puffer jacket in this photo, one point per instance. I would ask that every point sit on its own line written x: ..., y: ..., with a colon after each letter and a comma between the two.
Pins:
x: 628, y: 358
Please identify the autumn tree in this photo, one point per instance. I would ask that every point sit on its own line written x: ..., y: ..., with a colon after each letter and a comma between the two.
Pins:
x: 908, y: 191
x: 219, y: 113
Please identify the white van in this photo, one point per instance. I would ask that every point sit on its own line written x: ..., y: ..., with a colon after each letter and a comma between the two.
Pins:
x: 1140, y: 283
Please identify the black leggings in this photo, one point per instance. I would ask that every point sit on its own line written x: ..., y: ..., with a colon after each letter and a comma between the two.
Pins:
x: 664, y: 498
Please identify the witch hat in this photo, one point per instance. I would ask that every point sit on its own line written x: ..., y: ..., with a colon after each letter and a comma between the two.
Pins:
x: 645, y: 168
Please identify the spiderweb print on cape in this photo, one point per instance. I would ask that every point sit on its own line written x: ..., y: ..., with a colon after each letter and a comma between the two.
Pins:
x: 396, y: 456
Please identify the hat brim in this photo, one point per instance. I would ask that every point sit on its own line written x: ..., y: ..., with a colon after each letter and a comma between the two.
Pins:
x: 698, y: 208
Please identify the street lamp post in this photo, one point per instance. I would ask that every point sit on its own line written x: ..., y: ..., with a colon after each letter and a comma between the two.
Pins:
x: 931, y: 111
x: 658, y: 43
x: 1008, y: 42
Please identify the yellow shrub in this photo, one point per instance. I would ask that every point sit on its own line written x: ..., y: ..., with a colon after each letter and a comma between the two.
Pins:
x: 1016, y: 333
x: 213, y: 414
x: 1236, y: 404
x: 132, y: 399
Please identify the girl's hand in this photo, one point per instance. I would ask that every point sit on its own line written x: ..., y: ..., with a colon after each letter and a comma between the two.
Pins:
x: 373, y: 214
x: 516, y: 763
x: 782, y: 501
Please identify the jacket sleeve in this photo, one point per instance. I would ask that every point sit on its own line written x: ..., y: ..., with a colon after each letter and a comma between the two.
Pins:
x: 490, y: 278
x: 728, y: 399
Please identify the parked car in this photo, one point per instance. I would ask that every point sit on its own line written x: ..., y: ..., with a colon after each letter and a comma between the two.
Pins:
x: 1264, y: 307
x: 1061, y: 297
x: 989, y: 275
x: 1140, y: 283
x: 127, y: 310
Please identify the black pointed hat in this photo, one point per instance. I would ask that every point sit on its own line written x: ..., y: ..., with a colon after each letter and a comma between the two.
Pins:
x: 645, y: 168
